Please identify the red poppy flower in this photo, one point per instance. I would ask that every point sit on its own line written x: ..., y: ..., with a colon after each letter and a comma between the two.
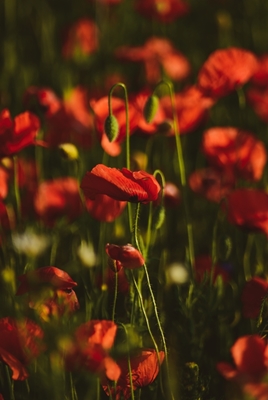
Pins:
x: 123, y: 185
x: 248, y: 208
x: 236, y: 151
x: 104, y: 208
x: 58, y: 198
x: 20, y: 343
x: 253, y: 294
x: 18, y: 134
x: 50, y: 291
x: 81, y: 39
x: 162, y: 10
x: 203, y: 266
x: 127, y: 256
x: 250, y: 355
x: 211, y: 183
x: 4, y: 178
x: 257, y: 391
x: 101, y: 111
x: 260, y: 77
x: 157, y: 54
x: 53, y: 276
x: 144, y: 370
x: 226, y: 70
x: 68, y: 120
x: 258, y: 99
x: 90, y: 349
x: 191, y: 107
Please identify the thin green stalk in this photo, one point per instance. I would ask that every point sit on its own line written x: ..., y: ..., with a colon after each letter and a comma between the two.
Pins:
x: 246, y: 258
x: 182, y: 172
x: 115, y: 295
x: 16, y: 187
x: 135, y: 229
x: 123, y: 86
x: 149, y: 226
x: 129, y: 365
x: 145, y: 315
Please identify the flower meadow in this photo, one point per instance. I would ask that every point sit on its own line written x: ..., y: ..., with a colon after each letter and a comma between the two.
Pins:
x: 133, y: 200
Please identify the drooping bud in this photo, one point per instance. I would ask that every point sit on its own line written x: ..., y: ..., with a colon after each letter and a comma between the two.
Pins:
x: 128, y: 256
x: 150, y: 108
x: 111, y: 127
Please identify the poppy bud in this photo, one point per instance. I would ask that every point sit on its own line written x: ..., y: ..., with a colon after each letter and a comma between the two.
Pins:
x: 127, y: 255
x: 111, y: 127
x: 150, y: 108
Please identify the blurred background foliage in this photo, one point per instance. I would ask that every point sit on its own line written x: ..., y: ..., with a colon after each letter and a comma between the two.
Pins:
x: 32, y: 35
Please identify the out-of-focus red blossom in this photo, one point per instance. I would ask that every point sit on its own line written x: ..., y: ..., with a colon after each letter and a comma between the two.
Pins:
x: 258, y: 391
x: 90, y: 349
x: 258, y: 99
x: 101, y: 112
x: 4, y: 178
x: 250, y: 356
x: 172, y: 195
x: 68, y: 120
x: 260, y: 77
x: 211, y: 183
x: 139, y: 102
x: 235, y: 151
x: 53, y: 276
x: 81, y: 39
x: 248, y: 208
x: 104, y: 208
x: 50, y: 291
x: 58, y: 198
x: 20, y: 343
x: 253, y: 294
x: 122, y: 185
x: 203, y: 266
x: 162, y: 10
x: 192, y: 108
x: 17, y: 134
x: 126, y: 256
x: 157, y: 54
x: 144, y: 369
x: 226, y: 70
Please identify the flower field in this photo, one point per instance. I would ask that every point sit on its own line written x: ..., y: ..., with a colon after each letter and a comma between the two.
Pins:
x: 133, y: 200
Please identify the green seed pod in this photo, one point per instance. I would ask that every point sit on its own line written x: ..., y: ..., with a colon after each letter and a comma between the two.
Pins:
x: 150, y: 108
x: 111, y: 127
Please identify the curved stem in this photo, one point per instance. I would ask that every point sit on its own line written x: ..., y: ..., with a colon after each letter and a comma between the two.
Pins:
x: 151, y: 294
x: 123, y: 86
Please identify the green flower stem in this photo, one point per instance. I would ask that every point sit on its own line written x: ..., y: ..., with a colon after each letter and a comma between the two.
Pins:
x: 246, y: 258
x: 16, y: 187
x: 123, y: 86
x: 149, y: 226
x: 129, y: 364
x: 115, y: 295
x: 135, y: 231
x: 182, y: 172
